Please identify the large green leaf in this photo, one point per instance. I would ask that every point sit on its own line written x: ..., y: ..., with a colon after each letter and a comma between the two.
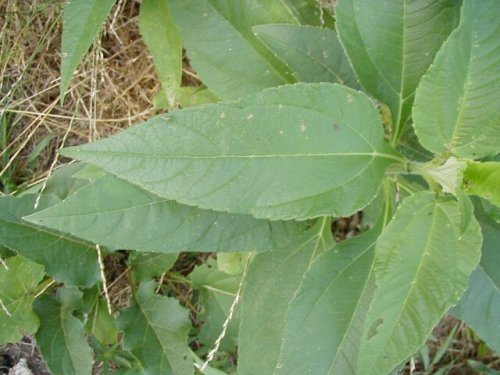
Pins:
x: 423, y: 261
x: 81, y: 23
x: 480, y: 304
x: 18, y: 279
x: 119, y: 215
x: 61, y: 336
x: 221, y: 47
x: 164, y: 43
x: 457, y: 106
x: 155, y: 331
x: 65, y: 258
x: 271, y: 282
x: 313, y: 54
x: 324, y: 320
x: 483, y: 179
x: 298, y: 151
x: 391, y: 43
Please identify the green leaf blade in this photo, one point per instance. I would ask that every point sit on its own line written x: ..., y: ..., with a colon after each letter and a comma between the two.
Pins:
x: 81, y: 23
x: 480, y: 304
x: 271, y: 282
x: 119, y: 215
x: 259, y: 155
x: 67, y: 259
x: 155, y: 331
x: 385, y: 40
x: 164, y: 43
x: 483, y: 179
x: 237, y: 63
x: 457, y: 107
x: 313, y: 54
x: 18, y: 279
x: 324, y: 320
x: 423, y: 261
x: 61, y: 336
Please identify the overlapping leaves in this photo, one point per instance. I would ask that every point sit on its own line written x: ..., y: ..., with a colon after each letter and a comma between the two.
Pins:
x: 270, y: 155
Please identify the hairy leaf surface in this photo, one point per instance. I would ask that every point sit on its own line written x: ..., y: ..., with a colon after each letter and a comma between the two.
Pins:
x: 325, y: 318
x: 480, y: 304
x: 81, y: 23
x: 423, y: 261
x: 155, y: 331
x: 61, y: 336
x: 298, y: 151
x: 221, y: 47
x: 164, y: 43
x: 271, y: 282
x: 457, y: 106
x: 386, y: 40
x: 119, y: 215
x: 313, y: 54
x: 65, y: 258
x: 18, y: 279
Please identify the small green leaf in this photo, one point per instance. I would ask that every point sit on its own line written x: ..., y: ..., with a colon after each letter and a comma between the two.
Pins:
x: 65, y: 258
x: 313, y: 54
x: 81, y: 23
x: 293, y: 152
x: 155, y: 331
x: 392, y: 43
x: 164, y: 43
x: 480, y: 304
x: 483, y: 179
x: 148, y: 265
x: 324, y: 319
x: 61, y: 336
x: 119, y: 215
x: 218, y: 291
x: 457, y: 106
x: 101, y: 324
x: 423, y: 261
x: 221, y: 47
x: 19, y: 278
x: 272, y: 280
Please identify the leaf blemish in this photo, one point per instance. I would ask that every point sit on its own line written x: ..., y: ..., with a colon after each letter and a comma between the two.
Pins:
x: 373, y: 329
x: 250, y: 116
x: 222, y: 115
x: 303, y: 128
